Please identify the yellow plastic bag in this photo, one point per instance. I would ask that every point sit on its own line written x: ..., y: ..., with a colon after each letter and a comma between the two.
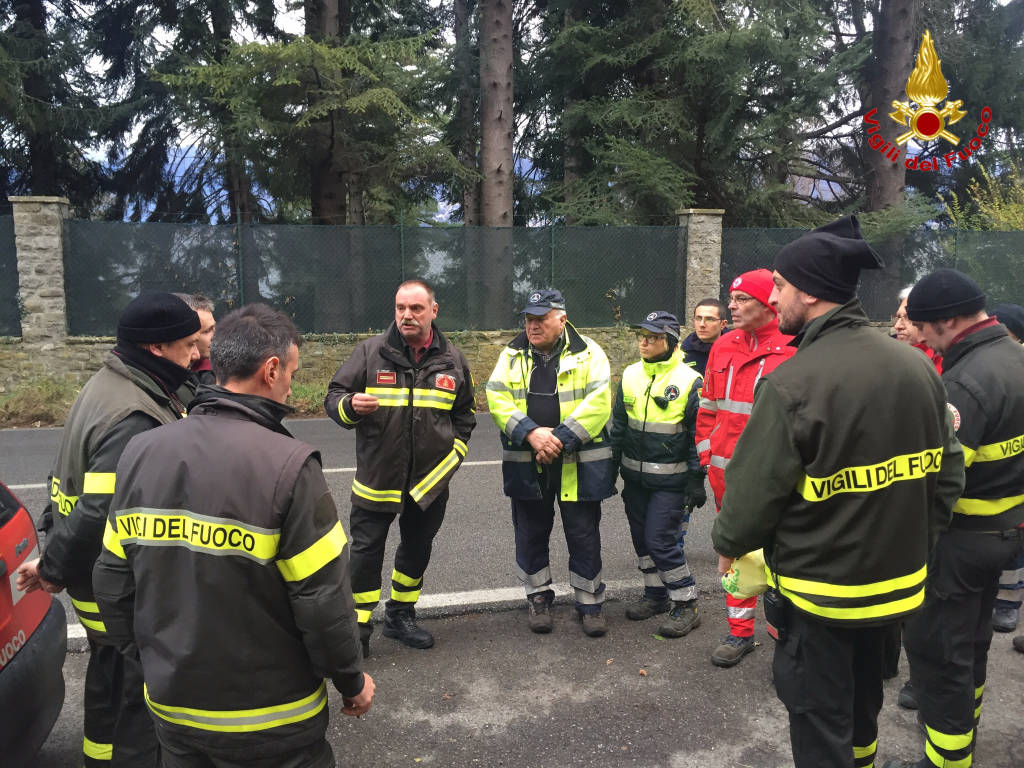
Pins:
x: 747, y: 577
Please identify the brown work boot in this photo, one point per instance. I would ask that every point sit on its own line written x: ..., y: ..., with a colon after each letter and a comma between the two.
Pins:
x: 646, y: 607
x: 732, y: 650
x: 683, y: 619
x: 540, y: 613
x: 594, y: 624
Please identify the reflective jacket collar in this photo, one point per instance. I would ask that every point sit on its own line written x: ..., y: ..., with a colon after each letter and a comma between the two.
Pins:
x: 661, y: 367
x: 575, y: 345
x: 849, y: 315
x: 268, y: 413
x: 982, y: 336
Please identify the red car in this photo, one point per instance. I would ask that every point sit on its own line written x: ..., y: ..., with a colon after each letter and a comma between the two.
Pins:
x: 33, y: 641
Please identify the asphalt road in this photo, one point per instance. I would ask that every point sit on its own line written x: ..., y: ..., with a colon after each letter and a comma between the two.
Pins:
x: 490, y: 693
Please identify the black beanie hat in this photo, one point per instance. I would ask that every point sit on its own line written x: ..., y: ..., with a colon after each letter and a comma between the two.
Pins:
x: 151, y: 318
x: 943, y: 294
x: 1012, y: 316
x: 827, y: 261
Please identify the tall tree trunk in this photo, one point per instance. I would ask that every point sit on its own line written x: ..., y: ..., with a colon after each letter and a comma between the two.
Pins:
x: 465, y: 113
x: 886, y: 77
x: 496, y: 162
x: 44, y: 174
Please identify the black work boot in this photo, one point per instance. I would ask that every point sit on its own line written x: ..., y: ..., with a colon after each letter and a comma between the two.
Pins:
x: 365, y: 630
x: 540, y: 613
x: 402, y: 626
x: 683, y: 619
x: 907, y: 697
x: 646, y: 607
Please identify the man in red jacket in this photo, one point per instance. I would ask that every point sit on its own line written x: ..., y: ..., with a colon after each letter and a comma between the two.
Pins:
x: 737, y: 362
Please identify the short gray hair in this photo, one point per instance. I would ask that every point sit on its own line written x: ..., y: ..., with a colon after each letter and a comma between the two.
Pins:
x: 905, y: 293
x: 197, y: 301
x: 247, y: 337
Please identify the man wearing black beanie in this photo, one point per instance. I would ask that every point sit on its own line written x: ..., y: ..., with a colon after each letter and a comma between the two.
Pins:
x: 843, y: 477
x: 947, y: 643
x: 135, y: 390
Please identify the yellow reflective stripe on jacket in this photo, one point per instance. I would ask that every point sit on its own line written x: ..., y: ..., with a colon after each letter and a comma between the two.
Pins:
x: 825, y: 589
x: 857, y: 613
x: 89, y: 615
x: 871, y: 477
x: 96, y: 751
x: 374, y: 495
x: 316, y: 556
x: 147, y: 526
x: 341, y: 412
x: 111, y: 541
x: 390, y: 396
x: 242, y: 720
x: 99, y: 482
x: 986, y: 507
x: 448, y: 463
x: 433, y: 398
x: 994, y: 451
x: 64, y: 503
x: 84, y: 605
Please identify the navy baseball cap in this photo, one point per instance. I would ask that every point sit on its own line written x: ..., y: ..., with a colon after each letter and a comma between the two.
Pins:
x: 543, y: 301
x: 660, y: 321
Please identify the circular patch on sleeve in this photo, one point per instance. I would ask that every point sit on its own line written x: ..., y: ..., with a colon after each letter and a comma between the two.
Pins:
x: 671, y: 392
x: 956, y: 416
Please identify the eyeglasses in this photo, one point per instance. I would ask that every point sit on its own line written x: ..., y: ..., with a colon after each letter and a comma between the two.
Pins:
x: 900, y: 319
x: 645, y: 338
x: 741, y: 299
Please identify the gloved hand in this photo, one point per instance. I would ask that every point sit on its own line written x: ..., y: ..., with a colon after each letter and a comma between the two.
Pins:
x: 696, y: 496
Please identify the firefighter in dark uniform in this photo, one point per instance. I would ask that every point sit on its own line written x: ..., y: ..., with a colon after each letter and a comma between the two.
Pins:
x: 947, y: 643
x: 550, y: 396
x: 654, y: 420
x: 224, y: 566
x: 408, y: 394
x: 844, y: 477
x: 135, y: 390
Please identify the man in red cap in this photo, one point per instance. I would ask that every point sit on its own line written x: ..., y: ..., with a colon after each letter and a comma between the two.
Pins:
x: 737, y: 362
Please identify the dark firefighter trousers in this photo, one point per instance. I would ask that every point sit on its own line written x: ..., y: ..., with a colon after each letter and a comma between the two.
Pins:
x: 118, y: 727
x: 179, y: 754
x: 947, y: 643
x: 830, y: 679
x: 417, y: 528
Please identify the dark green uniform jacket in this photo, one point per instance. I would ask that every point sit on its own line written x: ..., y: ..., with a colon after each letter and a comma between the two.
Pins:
x: 845, y: 473
x: 653, y: 440
x: 225, y: 564
x: 984, y: 378
x: 117, y: 403
x: 416, y: 440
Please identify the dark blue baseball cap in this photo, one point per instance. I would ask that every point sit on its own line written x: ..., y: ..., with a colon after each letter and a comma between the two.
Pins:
x: 543, y: 301
x: 660, y: 321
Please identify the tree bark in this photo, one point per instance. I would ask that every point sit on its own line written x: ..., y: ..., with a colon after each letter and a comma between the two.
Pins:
x: 496, y: 159
x: 465, y: 113
x: 886, y: 78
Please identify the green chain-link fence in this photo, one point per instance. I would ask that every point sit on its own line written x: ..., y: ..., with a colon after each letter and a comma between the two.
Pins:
x: 342, y: 279
x: 994, y: 259
x: 10, y: 315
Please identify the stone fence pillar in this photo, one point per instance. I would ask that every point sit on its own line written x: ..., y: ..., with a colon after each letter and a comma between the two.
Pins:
x: 703, y: 256
x: 39, y: 240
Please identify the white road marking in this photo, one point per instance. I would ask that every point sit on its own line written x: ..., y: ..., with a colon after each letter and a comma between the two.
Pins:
x: 476, y: 598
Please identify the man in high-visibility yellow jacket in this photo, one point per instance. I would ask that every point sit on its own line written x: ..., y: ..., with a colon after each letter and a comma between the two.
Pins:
x: 549, y: 395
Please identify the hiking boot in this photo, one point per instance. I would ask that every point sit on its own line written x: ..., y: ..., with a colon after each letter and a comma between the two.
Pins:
x: 365, y: 630
x: 594, y: 624
x: 646, y: 607
x: 683, y: 619
x: 403, y: 627
x: 732, y: 650
x: 540, y: 613
x: 1018, y: 643
x: 908, y: 696
x: 1004, y: 619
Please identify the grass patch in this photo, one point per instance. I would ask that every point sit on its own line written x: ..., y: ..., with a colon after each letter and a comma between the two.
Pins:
x: 308, y: 398
x: 40, y: 402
